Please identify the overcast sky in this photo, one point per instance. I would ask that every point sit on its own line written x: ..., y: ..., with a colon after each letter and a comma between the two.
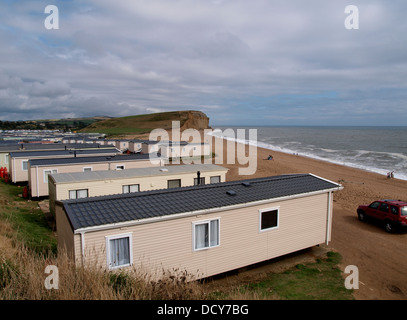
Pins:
x: 259, y: 62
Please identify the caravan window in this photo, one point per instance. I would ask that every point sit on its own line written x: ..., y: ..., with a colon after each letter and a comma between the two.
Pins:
x: 201, y: 181
x: 215, y: 179
x: 119, y: 251
x: 78, y: 194
x: 206, y: 234
x: 48, y: 172
x: 174, y: 183
x: 269, y: 219
x: 131, y: 188
x: 24, y: 164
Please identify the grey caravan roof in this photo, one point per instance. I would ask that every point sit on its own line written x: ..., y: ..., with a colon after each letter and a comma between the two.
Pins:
x: 108, y: 210
x: 165, y: 142
x: 76, y: 160
x: 68, y: 153
x: 19, y: 147
x: 133, y: 173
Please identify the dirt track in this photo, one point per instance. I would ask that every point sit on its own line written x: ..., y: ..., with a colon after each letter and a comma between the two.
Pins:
x: 381, y: 258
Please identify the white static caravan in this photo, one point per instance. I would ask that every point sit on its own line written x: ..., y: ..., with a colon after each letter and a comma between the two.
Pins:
x: 40, y: 169
x: 177, y: 149
x: 180, y: 150
x: 6, y: 149
x: 136, y: 146
x: 204, y: 230
x: 122, y: 144
x: 18, y: 161
x: 63, y: 186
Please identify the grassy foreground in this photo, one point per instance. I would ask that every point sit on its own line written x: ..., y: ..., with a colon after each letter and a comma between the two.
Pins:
x: 28, y: 246
x: 321, y: 280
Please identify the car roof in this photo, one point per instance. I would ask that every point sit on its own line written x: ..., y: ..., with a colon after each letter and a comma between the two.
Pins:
x: 395, y: 202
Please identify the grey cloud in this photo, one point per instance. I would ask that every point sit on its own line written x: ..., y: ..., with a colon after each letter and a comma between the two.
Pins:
x: 129, y: 57
x: 49, y: 89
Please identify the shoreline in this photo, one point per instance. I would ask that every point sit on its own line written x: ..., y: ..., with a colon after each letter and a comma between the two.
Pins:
x: 272, y: 148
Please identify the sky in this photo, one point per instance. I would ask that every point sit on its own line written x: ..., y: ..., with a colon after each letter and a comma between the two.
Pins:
x: 258, y: 62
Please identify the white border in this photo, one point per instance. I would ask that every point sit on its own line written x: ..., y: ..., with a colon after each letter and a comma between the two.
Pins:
x: 46, y: 175
x: 207, y: 221
x: 22, y: 164
x: 278, y: 218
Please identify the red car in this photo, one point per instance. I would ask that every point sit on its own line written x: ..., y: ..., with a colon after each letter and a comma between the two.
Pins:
x: 393, y: 213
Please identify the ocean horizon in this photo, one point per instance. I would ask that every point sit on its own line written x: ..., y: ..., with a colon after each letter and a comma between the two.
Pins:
x: 379, y: 149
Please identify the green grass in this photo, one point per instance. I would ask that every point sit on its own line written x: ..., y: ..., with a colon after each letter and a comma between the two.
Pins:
x: 321, y: 280
x: 138, y: 124
x: 27, y: 220
x: 113, y: 131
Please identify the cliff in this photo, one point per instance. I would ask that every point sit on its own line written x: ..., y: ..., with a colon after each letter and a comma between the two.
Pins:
x: 196, y: 120
x: 141, y: 124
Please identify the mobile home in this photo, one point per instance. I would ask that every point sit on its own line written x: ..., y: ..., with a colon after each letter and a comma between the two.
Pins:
x: 136, y: 145
x: 177, y: 149
x: 5, y: 149
x: 204, y: 230
x: 38, y: 170
x: 63, y: 186
x: 18, y: 161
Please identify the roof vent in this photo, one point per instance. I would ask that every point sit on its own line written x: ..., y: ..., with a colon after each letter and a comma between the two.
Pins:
x: 231, y: 193
x: 246, y: 184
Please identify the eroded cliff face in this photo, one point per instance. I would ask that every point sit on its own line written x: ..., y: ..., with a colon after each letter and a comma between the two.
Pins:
x: 195, y: 120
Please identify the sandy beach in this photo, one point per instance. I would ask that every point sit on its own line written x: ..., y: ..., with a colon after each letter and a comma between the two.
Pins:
x: 381, y: 257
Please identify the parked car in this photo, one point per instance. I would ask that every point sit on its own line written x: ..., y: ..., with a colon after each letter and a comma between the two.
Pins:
x: 393, y: 213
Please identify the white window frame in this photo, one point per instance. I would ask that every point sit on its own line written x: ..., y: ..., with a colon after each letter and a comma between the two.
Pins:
x: 129, y: 185
x: 119, y: 236
x: 208, y: 222
x: 6, y: 159
x: 278, y: 218
x: 85, y: 169
x: 22, y: 164
x: 51, y: 172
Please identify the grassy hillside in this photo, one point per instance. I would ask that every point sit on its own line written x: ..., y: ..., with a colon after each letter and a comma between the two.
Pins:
x: 146, y: 122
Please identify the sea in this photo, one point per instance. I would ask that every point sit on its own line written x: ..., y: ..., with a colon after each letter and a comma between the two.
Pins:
x: 375, y: 149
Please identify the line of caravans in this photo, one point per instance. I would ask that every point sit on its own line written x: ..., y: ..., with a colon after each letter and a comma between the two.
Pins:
x: 116, y: 208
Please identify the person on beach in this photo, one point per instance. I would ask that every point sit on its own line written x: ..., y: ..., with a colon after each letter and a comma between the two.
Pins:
x: 270, y: 157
